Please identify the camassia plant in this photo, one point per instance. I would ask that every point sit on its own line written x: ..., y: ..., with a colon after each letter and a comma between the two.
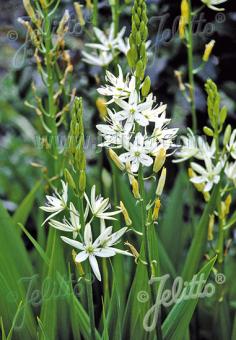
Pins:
x: 108, y: 265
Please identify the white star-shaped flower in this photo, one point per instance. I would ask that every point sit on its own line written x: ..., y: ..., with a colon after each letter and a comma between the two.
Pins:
x: 74, y: 225
x: 231, y: 147
x: 230, y: 171
x: 99, y: 206
x: 56, y: 203
x: 101, y: 247
x: 107, y: 42
x: 114, y: 133
x: 137, y: 154
x: 209, y: 175
x: 117, y: 87
x: 133, y: 109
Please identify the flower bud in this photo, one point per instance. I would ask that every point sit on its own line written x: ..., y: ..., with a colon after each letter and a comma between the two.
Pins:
x: 228, y: 202
x: 69, y: 179
x: 135, y: 187
x: 125, y: 213
x: 133, y: 250
x: 115, y: 158
x: 161, y: 182
x: 30, y: 11
x: 138, y: 39
x: 79, y: 13
x: 159, y: 160
x: 208, y: 50
x: 101, y: 106
x: 211, y: 227
x: 223, y: 114
x: 156, y: 209
x: 61, y: 28
x: 184, y: 18
x: 78, y: 264
x: 209, y: 132
x: 146, y: 86
x: 227, y: 134
x: 132, y: 57
x: 43, y: 3
x: 136, y: 20
x: 82, y: 181
x: 178, y: 75
x: 140, y: 70
x: 89, y: 5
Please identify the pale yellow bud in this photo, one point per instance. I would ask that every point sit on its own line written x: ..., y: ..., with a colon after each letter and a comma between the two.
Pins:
x: 62, y: 24
x: 228, y: 202
x: 156, y: 209
x: 211, y: 227
x: 161, y: 182
x: 184, y: 18
x: 43, y: 3
x: 199, y: 186
x: 78, y: 264
x: 102, y: 108
x: 134, y: 252
x: 206, y: 196
x: 115, y: 158
x: 89, y: 4
x: 29, y: 9
x: 79, y: 13
x: 125, y: 213
x: 159, y: 160
x: 208, y: 50
x: 135, y: 187
x: 178, y: 75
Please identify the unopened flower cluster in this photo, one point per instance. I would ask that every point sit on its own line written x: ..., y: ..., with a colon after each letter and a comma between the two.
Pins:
x: 215, y: 160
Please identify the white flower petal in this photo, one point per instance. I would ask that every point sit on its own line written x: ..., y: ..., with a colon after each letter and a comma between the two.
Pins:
x: 94, y: 265
x: 73, y: 243
x: 81, y: 257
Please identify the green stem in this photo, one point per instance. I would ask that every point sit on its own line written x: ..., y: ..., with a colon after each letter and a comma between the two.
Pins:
x: 89, y: 288
x: 191, y: 70
x: 143, y: 213
x: 95, y: 13
x: 115, y: 15
x: 89, y: 292
x: 147, y: 251
x: 51, y: 121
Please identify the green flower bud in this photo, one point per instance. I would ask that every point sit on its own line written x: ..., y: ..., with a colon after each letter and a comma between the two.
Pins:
x: 223, y: 115
x: 134, y: 29
x: 69, y: 179
x: 209, y: 132
x: 138, y: 38
x: 132, y: 57
x: 140, y: 70
x: 146, y: 86
x: 142, y: 50
x: 136, y: 20
x: 145, y: 33
x: 227, y: 134
x: 82, y: 181
x: 132, y: 39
